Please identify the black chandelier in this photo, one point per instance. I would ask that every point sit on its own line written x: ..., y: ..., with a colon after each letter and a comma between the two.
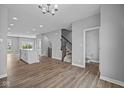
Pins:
x: 48, y: 8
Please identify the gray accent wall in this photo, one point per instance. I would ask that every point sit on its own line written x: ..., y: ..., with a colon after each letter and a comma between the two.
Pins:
x: 112, y: 42
x: 77, y: 37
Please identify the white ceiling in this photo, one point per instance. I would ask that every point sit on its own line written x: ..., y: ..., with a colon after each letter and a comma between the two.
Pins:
x: 29, y: 17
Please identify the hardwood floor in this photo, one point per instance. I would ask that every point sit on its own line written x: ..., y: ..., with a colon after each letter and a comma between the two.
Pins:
x: 49, y: 74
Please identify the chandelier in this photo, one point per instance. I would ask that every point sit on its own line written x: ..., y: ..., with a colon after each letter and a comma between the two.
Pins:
x: 48, y: 8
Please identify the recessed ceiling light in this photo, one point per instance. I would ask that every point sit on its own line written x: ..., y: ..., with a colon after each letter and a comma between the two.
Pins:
x: 15, y: 18
x: 56, y: 33
x: 28, y: 32
x: 34, y: 29
x: 9, y: 32
x: 11, y: 24
x: 9, y: 28
x: 41, y: 25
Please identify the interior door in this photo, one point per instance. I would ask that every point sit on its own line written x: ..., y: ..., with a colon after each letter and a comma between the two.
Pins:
x: 49, y: 52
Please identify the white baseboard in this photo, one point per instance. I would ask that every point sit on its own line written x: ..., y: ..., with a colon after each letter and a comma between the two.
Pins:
x: 56, y: 58
x: 81, y: 66
x: 93, y: 61
x: 68, y: 61
x: 3, y: 76
x: 112, y: 80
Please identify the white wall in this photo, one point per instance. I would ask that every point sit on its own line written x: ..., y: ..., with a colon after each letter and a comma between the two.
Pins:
x: 77, y: 37
x: 38, y: 41
x: 53, y: 37
x: 92, y: 44
x: 38, y: 44
x: 15, y: 44
x: 3, y: 36
x: 112, y: 42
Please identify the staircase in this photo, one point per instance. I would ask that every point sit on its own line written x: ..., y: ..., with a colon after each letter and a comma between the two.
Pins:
x: 66, y: 45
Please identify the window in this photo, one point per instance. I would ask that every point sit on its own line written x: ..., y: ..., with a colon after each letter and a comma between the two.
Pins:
x: 9, y: 42
x: 26, y: 45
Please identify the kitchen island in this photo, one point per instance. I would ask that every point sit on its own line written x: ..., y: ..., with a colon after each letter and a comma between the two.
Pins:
x: 29, y: 56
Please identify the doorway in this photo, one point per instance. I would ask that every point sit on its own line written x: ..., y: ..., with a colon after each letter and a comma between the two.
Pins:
x: 91, y: 45
x: 46, y: 47
x: 50, y: 49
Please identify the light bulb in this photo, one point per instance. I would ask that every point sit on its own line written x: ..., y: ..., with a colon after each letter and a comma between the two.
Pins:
x: 52, y: 11
x: 9, y: 28
x: 40, y: 6
x: 56, y: 7
x: 11, y: 24
x: 44, y: 10
x: 15, y: 18
x: 41, y: 25
x: 48, y: 4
